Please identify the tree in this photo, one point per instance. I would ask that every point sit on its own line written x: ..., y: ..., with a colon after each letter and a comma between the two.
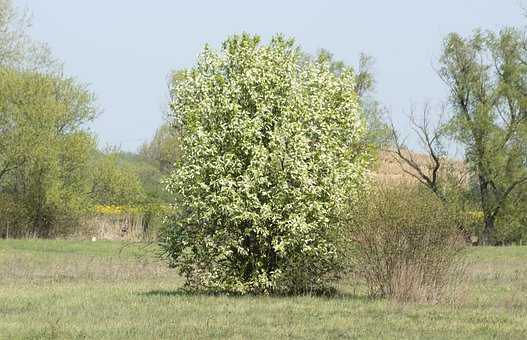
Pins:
x: 45, y: 150
x: 487, y: 78
x: 378, y: 132
x: 272, y: 154
x: 51, y: 173
x: 18, y: 55
x: 17, y: 49
x: 163, y: 149
x: 435, y: 171
x: 114, y: 181
x: 42, y: 143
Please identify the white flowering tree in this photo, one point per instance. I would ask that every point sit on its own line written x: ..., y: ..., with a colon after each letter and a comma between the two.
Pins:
x: 271, y: 156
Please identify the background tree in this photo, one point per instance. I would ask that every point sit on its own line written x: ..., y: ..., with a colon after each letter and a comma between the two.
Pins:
x: 378, y: 131
x: 51, y: 173
x: 45, y: 149
x: 487, y: 78
x: 432, y: 166
x: 430, y: 163
x: 164, y: 148
x: 17, y: 49
x: 115, y: 181
x: 486, y: 75
x: 156, y: 158
x: 272, y: 153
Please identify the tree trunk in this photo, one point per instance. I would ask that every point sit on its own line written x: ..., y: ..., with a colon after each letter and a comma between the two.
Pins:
x: 488, y: 231
x: 488, y: 228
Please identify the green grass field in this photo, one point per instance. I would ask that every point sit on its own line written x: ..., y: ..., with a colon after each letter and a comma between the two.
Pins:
x: 112, y: 290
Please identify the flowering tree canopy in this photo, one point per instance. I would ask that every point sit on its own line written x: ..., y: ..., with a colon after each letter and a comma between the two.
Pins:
x: 272, y: 154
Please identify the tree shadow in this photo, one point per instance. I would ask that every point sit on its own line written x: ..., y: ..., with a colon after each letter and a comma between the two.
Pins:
x: 181, y: 292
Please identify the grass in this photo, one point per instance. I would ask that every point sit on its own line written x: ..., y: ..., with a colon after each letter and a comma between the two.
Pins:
x: 115, y: 290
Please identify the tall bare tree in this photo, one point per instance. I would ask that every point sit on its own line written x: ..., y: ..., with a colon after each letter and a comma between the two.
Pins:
x: 431, y: 139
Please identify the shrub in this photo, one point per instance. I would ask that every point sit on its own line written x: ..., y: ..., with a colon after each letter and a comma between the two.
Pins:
x: 271, y: 151
x: 407, y: 244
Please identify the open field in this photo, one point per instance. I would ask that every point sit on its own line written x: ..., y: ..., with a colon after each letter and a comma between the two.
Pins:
x: 112, y: 290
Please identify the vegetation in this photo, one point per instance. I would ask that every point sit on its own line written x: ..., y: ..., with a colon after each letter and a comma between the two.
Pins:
x: 51, y: 193
x: 258, y: 183
x: 113, y: 290
x: 45, y: 152
x: 17, y: 49
x: 486, y: 76
x: 407, y: 244
x: 164, y: 148
x: 51, y: 173
x: 377, y: 130
x: 271, y: 153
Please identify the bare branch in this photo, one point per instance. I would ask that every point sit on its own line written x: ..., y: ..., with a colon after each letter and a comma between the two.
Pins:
x: 430, y: 137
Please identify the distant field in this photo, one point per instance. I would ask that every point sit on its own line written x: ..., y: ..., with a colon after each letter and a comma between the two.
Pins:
x: 388, y: 170
x: 113, y: 290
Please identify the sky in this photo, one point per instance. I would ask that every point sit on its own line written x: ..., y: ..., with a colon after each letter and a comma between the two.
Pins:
x: 125, y: 49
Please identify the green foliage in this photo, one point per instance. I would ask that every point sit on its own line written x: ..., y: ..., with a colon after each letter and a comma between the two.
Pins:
x: 164, y: 148
x: 130, y: 187
x: 17, y: 49
x: 487, y: 77
x: 271, y: 156
x: 114, y: 182
x: 149, y: 174
x: 511, y: 225
x: 406, y: 243
x: 44, y: 150
x: 51, y: 174
x: 377, y: 130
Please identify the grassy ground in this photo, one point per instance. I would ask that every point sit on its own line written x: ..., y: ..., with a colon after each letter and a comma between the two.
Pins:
x: 112, y: 290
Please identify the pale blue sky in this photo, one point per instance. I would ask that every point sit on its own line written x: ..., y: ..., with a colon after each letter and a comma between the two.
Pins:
x: 124, y: 49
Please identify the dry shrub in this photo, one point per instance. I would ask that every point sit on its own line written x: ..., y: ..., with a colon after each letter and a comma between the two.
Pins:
x: 407, y: 245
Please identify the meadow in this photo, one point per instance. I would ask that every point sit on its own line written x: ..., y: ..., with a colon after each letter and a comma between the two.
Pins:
x: 58, y: 289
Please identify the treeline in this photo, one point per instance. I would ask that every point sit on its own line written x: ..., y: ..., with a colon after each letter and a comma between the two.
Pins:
x: 52, y: 174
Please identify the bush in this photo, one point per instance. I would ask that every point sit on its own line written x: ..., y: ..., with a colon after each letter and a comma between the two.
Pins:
x: 511, y: 229
x: 271, y: 152
x: 407, y: 244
